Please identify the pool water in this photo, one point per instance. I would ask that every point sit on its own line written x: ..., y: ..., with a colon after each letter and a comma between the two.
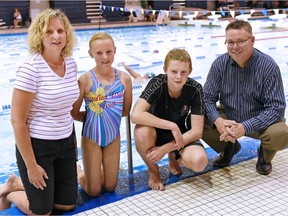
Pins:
x: 134, y: 47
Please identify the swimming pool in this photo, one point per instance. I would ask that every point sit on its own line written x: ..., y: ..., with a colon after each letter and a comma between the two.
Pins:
x: 135, y: 47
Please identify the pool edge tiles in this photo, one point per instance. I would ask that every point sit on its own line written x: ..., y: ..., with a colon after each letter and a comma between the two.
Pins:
x: 137, y: 183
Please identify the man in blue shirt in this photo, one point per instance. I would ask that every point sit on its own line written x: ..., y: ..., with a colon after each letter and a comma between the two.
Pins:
x: 244, y: 95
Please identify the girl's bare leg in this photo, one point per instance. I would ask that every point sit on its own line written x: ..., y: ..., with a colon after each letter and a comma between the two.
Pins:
x: 111, y: 161
x: 90, y: 179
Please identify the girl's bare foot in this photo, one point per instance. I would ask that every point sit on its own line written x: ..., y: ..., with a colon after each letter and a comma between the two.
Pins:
x: 174, y: 166
x: 155, y: 182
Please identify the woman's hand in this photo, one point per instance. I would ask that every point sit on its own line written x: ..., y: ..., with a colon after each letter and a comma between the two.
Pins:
x: 37, y: 176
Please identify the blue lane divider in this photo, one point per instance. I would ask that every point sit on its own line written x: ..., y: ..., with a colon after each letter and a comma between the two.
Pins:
x: 160, y: 41
x: 157, y: 63
x: 136, y: 86
x: 213, y: 44
x: 272, y: 48
x: 187, y: 39
x: 6, y: 107
x: 8, y: 64
x: 144, y: 43
x: 199, y: 45
x: 130, y: 44
x: 145, y: 51
x: 200, y: 38
x: 197, y: 77
x: 134, y: 65
x: 200, y: 57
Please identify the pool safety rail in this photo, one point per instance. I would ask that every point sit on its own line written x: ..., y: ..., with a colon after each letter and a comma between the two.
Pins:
x: 129, y: 145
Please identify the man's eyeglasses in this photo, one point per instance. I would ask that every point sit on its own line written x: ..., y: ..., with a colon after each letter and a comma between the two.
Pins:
x: 231, y: 44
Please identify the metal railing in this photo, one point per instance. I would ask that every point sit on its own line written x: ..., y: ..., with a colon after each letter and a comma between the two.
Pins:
x: 129, y: 145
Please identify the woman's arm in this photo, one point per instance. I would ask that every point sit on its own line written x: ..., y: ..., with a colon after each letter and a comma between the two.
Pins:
x: 21, y: 105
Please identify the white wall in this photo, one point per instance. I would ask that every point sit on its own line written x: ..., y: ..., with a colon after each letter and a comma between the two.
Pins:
x: 36, y: 6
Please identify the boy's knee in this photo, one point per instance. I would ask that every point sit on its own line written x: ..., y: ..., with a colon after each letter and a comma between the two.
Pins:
x: 200, y: 163
x: 197, y: 163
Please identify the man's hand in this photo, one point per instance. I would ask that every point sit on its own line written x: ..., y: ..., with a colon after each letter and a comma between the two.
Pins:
x: 229, y: 130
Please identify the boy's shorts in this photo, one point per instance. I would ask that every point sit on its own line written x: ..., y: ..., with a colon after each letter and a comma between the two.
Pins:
x: 165, y: 136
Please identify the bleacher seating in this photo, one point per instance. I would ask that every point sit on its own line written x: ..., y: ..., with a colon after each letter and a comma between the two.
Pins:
x: 116, y: 14
x: 74, y: 10
x: 94, y: 11
x: 2, y: 24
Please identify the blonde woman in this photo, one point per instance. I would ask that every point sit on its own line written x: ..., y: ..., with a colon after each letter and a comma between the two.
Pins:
x: 44, y: 92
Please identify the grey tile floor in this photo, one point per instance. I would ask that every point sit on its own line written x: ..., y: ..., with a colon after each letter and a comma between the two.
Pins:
x: 234, y: 190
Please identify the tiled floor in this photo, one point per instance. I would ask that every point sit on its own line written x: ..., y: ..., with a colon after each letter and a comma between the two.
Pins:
x: 234, y: 190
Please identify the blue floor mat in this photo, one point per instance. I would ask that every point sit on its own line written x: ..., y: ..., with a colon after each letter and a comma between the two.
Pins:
x: 138, y: 182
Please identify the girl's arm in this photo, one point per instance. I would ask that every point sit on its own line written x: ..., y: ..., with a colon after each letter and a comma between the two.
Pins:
x: 83, y: 82
x: 126, y: 80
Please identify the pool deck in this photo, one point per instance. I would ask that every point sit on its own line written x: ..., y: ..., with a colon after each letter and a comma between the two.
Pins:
x: 87, y: 26
x: 234, y: 190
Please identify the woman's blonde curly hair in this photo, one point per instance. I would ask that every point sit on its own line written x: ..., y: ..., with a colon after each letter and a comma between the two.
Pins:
x: 39, y: 27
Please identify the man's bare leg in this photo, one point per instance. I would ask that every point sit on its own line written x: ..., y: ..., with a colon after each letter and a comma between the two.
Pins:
x: 174, y: 166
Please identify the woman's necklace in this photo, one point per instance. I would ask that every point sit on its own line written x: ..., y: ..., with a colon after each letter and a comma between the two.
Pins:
x: 56, y: 66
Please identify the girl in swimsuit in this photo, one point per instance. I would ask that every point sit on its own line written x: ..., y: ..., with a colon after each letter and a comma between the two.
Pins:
x: 107, y: 94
